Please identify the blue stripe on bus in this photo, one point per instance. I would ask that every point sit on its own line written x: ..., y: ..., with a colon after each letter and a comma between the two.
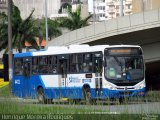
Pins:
x: 27, y: 54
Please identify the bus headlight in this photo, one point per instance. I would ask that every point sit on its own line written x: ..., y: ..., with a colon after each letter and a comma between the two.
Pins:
x: 141, y: 85
x: 109, y: 86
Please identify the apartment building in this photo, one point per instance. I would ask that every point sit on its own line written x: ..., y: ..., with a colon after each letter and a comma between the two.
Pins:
x: 144, y: 5
x: 114, y: 8
x: 108, y: 9
x: 3, y: 6
x: 98, y: 9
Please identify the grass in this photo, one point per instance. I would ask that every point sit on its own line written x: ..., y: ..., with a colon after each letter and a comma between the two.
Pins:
x: 4, y: 91
x: 14, y: 107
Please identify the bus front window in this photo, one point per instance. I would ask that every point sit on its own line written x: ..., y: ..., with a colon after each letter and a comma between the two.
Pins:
x: 124, y: 68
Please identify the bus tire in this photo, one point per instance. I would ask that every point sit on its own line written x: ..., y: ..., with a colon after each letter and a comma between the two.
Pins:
x: 87, y: 94
x: 40, y: 95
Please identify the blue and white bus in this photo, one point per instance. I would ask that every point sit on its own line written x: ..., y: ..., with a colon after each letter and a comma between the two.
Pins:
x: 80, y: 72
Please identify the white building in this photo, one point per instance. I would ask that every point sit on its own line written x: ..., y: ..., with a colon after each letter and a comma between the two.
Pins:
x: 26, y: 6
x: 108, y: 9
x: 114, y: 8
x: 98, y: 9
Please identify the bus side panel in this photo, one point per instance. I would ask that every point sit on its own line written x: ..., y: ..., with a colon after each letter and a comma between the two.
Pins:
x: 54, y: 88
x: 18, y: 86
x: 23, y: 86
x: 72, y: 93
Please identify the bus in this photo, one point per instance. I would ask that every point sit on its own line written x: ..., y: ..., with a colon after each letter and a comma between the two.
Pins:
x: 80, y: 72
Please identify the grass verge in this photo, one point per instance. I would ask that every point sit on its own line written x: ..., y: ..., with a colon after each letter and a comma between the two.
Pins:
x: 14, y: 109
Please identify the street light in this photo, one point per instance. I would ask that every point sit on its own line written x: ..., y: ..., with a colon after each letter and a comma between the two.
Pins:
x: 46, y: 21
x: 10, y: 41
x: 121, y: 8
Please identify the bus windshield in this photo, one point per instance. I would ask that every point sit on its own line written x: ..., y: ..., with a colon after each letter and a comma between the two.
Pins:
x: 124, y: 68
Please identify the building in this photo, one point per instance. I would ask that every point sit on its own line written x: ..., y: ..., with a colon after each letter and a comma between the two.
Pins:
x: 108, y: 9
x: 84, y: 7
x: 53, y: 7
x: 98, y: 9
x: 144, y: 5
x: 26, y: 6
x: 3, y: 6
x: 114, y: 8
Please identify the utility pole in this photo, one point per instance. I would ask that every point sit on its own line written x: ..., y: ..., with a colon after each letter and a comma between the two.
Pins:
x: 121, y: 8
x: 94, y: 11
x: 46, y: 21
x: 10, y: 42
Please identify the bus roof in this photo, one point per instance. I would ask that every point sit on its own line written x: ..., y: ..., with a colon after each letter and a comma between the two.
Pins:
x: 70, y: 49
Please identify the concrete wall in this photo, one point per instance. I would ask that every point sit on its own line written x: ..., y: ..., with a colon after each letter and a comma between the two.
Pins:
x: 151, y: 53
x: 144, y: 5
x: 121, y: 25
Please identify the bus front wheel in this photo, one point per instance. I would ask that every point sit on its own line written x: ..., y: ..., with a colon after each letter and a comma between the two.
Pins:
x: 40, y: 95
x: 87, y: 95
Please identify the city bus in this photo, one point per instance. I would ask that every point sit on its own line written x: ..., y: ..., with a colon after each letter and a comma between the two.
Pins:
x: 80, y: 72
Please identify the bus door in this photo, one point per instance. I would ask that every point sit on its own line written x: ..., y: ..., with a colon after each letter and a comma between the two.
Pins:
x: 98, y: 73
x: 26, y: 76
x: 63, y: 69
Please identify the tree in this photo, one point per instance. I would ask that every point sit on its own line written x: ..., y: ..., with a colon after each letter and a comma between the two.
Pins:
x: 53, y: 28
x: 74, y: 21
x: 22, y: 30
x: 27, y: 30
x: 3, y: 30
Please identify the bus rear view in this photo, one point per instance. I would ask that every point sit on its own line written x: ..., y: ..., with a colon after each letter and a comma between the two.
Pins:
x: 124, y: 72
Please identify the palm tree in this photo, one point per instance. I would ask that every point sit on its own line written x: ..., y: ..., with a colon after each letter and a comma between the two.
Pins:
x: 74, y: 21
x: 3, y: 30
x: 27, y: 30
x: 22, y: 30
x: 53, y: 28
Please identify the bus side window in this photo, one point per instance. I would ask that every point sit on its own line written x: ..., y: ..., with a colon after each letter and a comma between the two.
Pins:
x: 18, y: 66
x: 43, y: 64
x: 76, y: 63
x: 87, y: 62
x: 35, y: 65
x: 52, y: 64
x: 26, y: 70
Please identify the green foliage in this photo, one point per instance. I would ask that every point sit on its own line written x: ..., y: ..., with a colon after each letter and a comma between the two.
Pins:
x: 27, y: 30
x: 4, y: 91
x: 53, y: 28
x: 3, y: 30
x: 21, y: 30
x: 74, y: 21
